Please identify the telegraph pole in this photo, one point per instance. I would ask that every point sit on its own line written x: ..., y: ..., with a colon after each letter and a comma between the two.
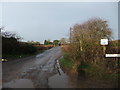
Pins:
x: 70, y: 34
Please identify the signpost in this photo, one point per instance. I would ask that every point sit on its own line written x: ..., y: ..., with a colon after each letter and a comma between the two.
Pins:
x: 112, y: 55
x: 104, y: 42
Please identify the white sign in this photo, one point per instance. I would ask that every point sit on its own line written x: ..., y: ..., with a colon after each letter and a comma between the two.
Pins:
x: 104, y: 42
x: 112, y: 55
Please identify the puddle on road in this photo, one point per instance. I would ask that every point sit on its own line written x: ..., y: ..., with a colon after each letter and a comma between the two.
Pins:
x: 59, y: 80
x: 19, y: 83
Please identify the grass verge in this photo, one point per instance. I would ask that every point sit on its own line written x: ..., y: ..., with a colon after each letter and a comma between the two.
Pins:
x: 11, y: 57
x: 65, y: 61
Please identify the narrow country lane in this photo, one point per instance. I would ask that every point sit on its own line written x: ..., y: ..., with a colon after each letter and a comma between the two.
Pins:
x: 34, y: 70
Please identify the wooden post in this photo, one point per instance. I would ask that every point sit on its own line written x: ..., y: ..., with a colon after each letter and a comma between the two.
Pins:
x: 81, y: 45
x: 104, y: 49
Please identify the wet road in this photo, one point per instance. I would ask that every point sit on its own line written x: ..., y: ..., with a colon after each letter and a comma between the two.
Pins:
x: 33, y: 72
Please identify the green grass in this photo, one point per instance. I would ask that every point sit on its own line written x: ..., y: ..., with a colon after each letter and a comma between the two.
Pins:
x: 66, y: 62
x: 84, y: 66
x: 14, y: 57
x: 112, y: 76
x: 95, y: 71
x: 11, y: 57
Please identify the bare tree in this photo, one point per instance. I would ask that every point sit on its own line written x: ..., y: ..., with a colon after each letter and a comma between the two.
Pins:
x: 9, y: 35
x: 86, y: 37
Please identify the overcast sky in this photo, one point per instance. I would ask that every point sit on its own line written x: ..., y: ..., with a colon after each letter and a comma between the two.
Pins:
x: 39, y: 21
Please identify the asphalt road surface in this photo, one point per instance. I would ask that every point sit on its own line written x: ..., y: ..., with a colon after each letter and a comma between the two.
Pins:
x: 31, y: 72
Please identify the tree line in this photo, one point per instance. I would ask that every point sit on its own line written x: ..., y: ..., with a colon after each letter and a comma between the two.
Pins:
x: 48, y: 42
x: 56, y: 42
